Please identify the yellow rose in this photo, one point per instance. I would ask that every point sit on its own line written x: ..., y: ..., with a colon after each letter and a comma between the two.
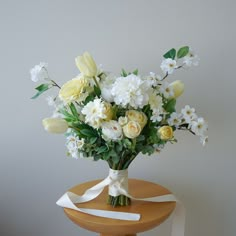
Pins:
x: 137, y: 116
x: 165, y: 132
x: 86, y: 65
x: 132, y: 129
x: 108, y: 111
x: 74, y: 90
x: 178, y: 88
x: 55, y: 125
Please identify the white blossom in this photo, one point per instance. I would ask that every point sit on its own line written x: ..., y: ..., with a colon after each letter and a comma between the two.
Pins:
x: 199, y: 126
x: 130, y: 90
x: 175, y: 119
x: 50, y: 100
x: 94, y: 112
x: 168, y: 65
x: 39, y: 72
x: 156, y: 115
x: 191, y: 59
x: 74, y: 144
x: 166, y: 90
x: 188, y: 114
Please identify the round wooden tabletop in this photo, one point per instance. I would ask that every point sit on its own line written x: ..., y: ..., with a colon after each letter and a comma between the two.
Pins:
x: 152, y: 214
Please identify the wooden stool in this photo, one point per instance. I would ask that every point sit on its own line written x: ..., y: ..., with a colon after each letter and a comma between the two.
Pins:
x: 152, y: 214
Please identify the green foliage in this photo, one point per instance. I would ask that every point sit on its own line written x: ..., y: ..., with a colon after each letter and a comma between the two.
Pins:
x: 135, y: 72
x: 182, y: 52
x: 123, y: 73
x: 170, y: 105
x: 41, y: 89
x: 170, y: 54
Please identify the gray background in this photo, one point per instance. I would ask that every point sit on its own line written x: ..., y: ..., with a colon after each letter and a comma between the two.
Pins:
x: 34, y: 170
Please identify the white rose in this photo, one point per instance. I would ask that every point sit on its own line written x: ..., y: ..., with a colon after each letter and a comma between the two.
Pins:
x: 111, y: 130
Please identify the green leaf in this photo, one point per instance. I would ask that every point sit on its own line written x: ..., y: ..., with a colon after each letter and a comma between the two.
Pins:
x: 182, y: 52
x: 74, y: 111
x: 102, y: 149
x: 170, y: 54
x: 123, y: 73
x: 148, y: 150
x: 41, y: 88
x: 135, y: 72
x: 170, y: 105
x: 93, y: 140
x: 97, y: 90
x: 88, y: 133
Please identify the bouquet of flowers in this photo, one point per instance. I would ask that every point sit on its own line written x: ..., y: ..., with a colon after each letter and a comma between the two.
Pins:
x: 116, y: 117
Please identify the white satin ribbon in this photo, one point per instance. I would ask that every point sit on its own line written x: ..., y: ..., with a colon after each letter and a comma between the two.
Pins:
x: 118, y: 184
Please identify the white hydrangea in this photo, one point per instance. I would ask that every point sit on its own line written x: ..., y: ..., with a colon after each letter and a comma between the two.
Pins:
x: 74, y: 144
x: 111, y: 130
x: 39, y: 72
x: 130, y: 90
x: 94, y: 112
x: 168, y: 65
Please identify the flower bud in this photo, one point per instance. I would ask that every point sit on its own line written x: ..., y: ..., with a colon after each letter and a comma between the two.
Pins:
x: 55, y: 125
x: 178, y: 88
x: 165, y: 132
x: 86, y: 65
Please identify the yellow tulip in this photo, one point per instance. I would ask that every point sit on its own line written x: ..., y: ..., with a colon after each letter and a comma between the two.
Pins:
x: 55, y: 125
x: 178, y: 88
x: 86, y: 65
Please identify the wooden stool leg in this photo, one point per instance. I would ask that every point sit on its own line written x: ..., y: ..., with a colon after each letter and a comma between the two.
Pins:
x: 118, y: 235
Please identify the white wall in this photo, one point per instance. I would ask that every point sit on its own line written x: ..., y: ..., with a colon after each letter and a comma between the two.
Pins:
x: 34, y: 170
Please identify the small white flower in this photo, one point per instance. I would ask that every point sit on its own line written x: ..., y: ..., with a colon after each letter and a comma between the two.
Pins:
x: 168, y: 65
x: 74, y: 144
x: 156, y: 115
x: 191, y: 59
x: 199, y: 126
x: 111, y: 130
x: 175, y: 119
x: 130, y: 90
x: 39, y: 72
x: 51, y: 101
x: 167, y: 90
x: 203, y: 140
x: 188, y: 114
x: 123, y: 120
x: 94, y: 112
